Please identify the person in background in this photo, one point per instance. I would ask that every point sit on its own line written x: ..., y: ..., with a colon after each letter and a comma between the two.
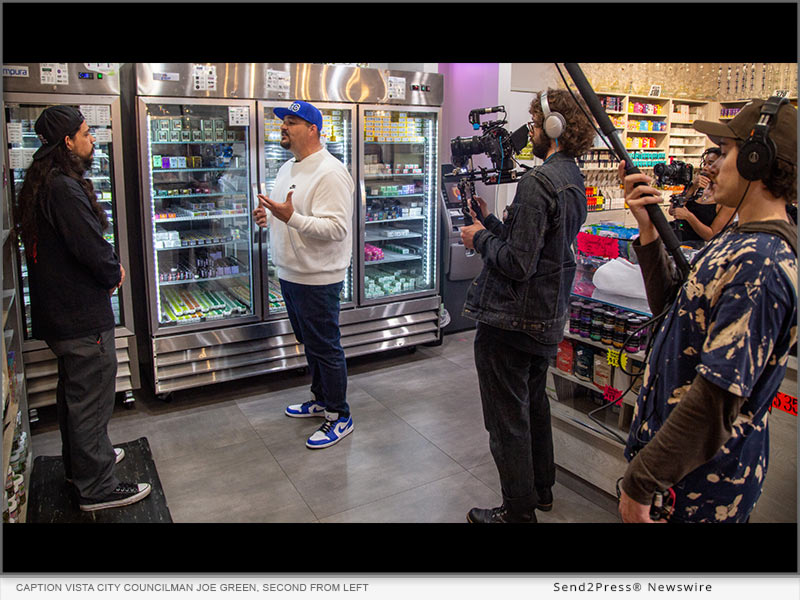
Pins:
x: 520, y: 302
x: 310, y: 217
x: 72, y: 272
x: 700, y: 424
x: 700, y: 218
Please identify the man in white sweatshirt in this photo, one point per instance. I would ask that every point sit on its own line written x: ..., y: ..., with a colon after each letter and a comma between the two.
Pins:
x: 310, y: 215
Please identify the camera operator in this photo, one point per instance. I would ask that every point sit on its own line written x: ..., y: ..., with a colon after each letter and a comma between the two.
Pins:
x: 699, y: 218
x: 700, y: 422
x: 520, y: 302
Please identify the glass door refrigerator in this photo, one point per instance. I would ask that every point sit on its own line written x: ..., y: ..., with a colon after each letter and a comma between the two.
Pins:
x: 94, y: 89
x: 197, y: 168
x: 338, y: 135
x: 398, y: 149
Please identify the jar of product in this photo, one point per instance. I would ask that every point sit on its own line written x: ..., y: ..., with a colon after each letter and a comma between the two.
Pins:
x: 633, y: 334
x: 618, y: 339
x: 596, y: 330
x: 575, y: 317
x: 586, y: 319
x: 607, y: 336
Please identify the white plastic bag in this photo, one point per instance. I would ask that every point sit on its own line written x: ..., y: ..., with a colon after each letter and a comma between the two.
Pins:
x: 620, y: 277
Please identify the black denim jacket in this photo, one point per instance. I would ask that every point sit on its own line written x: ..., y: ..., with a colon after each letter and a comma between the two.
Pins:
x: 528, y: 262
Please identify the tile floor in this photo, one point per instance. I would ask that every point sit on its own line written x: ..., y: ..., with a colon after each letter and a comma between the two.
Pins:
x: 419, y: 452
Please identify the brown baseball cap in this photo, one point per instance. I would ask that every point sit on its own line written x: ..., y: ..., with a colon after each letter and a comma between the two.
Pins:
x: 782, y: 131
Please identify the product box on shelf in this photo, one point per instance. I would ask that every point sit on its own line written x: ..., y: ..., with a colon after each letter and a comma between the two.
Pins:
x: 565, y: 356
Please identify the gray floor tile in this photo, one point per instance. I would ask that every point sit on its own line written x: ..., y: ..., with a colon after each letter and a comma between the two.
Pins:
x: 383, y: 456
x: 232, y: 484
x: 444, y: 501
x: 184, y: 433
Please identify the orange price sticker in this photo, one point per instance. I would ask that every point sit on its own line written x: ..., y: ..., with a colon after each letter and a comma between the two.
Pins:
x: 786, y: 403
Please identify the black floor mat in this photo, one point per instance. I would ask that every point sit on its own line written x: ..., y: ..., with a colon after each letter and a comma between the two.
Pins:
x: 52, y: 500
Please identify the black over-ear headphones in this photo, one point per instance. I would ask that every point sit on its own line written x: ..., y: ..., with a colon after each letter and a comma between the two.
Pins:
x: 757, y: 154
x: 554, y: 123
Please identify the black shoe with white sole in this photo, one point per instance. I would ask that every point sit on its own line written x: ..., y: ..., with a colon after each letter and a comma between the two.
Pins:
x: 123, y: 495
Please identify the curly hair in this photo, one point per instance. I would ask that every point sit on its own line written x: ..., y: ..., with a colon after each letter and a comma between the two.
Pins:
x: 579, y: 133
x: 781, y: 181
x: 37, y: 181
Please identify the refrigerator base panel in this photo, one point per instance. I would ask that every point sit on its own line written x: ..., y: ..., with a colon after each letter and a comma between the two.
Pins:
x: 192, y: 360
x: 41, y: 372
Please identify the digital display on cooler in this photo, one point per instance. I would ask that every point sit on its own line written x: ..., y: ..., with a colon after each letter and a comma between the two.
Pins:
x: 85, y: 75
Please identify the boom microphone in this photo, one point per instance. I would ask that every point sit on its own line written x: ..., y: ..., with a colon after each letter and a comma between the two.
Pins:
x: 607, y: 127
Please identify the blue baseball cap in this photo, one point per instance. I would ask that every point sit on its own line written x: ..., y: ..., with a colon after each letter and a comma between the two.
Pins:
x: 302, y: 109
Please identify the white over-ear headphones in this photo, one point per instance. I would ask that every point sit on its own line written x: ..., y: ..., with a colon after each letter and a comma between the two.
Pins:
x: 554, y: 122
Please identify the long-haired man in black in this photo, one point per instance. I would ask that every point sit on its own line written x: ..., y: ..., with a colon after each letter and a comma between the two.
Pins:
x: 72, y: 272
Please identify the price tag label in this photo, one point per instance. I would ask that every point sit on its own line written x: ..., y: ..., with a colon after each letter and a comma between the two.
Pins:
x: 597, y: 245
x: 786, y: 403
x: 616, y: 358
x: 238, y: 116
x: 611, y: 394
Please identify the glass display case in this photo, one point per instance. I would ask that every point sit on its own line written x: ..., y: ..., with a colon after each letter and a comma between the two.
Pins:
x: 337, y: 138
x: 399, y: 202
x: 198, y: 167
x: 23, y: 142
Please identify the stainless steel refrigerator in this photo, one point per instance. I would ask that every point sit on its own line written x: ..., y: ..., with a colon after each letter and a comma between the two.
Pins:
x: 198, y: 347
x: 94, y: 88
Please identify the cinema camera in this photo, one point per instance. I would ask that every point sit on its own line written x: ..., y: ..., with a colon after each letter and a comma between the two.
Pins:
x: 496, y: 143
x: 677, y: 173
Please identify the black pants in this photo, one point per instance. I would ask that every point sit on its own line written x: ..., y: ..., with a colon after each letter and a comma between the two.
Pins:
x: 516, y: 413
x: 87, y: 371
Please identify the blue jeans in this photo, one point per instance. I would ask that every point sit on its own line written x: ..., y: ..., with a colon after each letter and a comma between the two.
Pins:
x: 314, y: 315
x: 516, y: 413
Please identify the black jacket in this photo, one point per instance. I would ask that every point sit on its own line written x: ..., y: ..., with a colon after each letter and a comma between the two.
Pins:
x: 528, y: 263
x: 73, y: 268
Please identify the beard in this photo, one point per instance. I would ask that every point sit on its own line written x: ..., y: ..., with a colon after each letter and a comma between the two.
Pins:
x: 86, y: 163
x: 285, y: 143
x: 541, y: 145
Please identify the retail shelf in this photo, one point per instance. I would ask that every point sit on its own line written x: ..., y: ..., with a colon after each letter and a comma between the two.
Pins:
x: 391, y: 257
x: 372, y: 237
x: 636, y: 131
x: 397, y: 219
x: 392, y: 175
x: 647, y: 115
x: 239, y: 195
x: 395, y: 196
x: 201, y: 245
x: 671, y: 145
x: 188, y: 281
x: 640, y: 356
x: 204, y: 170
x: 629, y: 398
x: 206, y: 218
x: 570, y: 415
x: 196, y: 142
x: 394, y: 142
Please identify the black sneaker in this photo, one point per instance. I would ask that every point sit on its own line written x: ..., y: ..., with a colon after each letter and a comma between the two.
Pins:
x: 123, y: 495
x: 545, y: 501
x: 501, y: 514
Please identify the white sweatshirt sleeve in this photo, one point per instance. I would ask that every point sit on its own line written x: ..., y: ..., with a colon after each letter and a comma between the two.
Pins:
x: 331, y: 209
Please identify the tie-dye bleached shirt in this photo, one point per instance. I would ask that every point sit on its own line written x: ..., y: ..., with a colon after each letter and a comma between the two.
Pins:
x: 734, y: 323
